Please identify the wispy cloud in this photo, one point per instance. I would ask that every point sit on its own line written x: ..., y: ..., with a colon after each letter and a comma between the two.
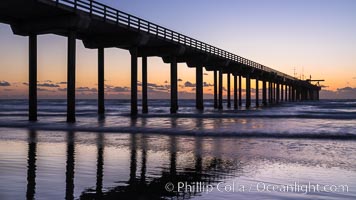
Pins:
x: 117, y: 89
x: 205, y: 84
x: 62, y: 83
x: 50, y: 85
x: 189, y: 84
x: 44, y: 90
x: 4, y: 84
x: 86, y: 89
x: 340, y: 93
x: 62, y: 89
x: 157, y: 87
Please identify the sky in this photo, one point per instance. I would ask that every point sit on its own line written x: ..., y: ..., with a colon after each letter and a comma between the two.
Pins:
x: 300, y: 38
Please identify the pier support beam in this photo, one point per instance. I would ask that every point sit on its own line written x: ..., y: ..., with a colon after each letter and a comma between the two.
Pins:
x: 101, y: 104
x: 282, y: 92
x: 215, y: 89
x: 274, y: 92
x: 240, y: 91
x: 228, y: 90
x: 199, y: 88
x: 235, y: 93
x: 298, y: 94
x: 309, y: 94
x: 174, y: 85
x: 144, y: 85
x: 220, y: 106
x: 285, y: 93
x: 270, y: 92
x: 32, y: 85
x: 293, y: 93
x: 248, y: 91
x: 264, y: 93
x: 257, y: 93
x: 71, y: 77
x: 277, y: 93
x: 133, y: 53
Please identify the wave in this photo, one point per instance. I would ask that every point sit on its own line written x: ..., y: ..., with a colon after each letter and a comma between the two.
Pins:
x: 346, y: 135
x: 162, y: 114
x: 325, y: 119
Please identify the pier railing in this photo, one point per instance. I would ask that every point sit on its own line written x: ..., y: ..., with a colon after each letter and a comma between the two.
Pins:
x: 113, y: 15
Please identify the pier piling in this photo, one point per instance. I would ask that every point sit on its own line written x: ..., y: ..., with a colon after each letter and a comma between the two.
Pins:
x: 133, y: 53
x: 248, y: 91
x: 228, y: 90
x: 215, y: 89
x: 144, y: 85
x: 32, y: 77
x: 220, y: 106
x: 101, y: 104
x: 71, y: 77
x: 174, y: 88
x: 199, y: 88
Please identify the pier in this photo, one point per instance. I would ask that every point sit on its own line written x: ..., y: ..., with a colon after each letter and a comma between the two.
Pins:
x: 99, y: 26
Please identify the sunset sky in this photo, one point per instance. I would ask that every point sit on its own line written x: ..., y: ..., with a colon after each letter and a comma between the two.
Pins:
x: 310, y: 37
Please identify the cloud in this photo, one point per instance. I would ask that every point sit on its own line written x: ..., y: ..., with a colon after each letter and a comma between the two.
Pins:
x: 156, y: 87
x: 340, y: 93
x: 44, y: 90
x: 205, y: 84
x: 62, y: 83
x: 111, y: 88
x: 179, y: 80
x: 206, y: 74
x: 62, y: 89
x: 86, y: 89
x: 79, y: 89
x: 50, y: 85
x: 25, y: 83
x: 346, y: 89
x: 189, y: 84
x: 4, y: 84
x: 120, y: 89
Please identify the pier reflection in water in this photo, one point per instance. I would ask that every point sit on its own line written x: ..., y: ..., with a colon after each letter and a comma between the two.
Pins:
x: 140, y: 185
x: 138, y: 166
x: 31, y: 172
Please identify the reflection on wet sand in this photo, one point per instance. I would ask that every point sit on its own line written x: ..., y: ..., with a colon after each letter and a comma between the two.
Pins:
x: 31, y: 165
x: 138, y: 186
x: 70, y: 166
x: 189, y: 159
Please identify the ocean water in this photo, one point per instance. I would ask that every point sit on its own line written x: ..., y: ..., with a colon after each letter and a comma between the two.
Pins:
x: 303, y: 150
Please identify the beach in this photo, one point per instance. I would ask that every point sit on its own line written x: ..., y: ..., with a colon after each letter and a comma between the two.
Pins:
x: 306, y: 153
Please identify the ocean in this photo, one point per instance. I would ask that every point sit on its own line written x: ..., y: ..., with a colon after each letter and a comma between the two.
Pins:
x: 299, y: 150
